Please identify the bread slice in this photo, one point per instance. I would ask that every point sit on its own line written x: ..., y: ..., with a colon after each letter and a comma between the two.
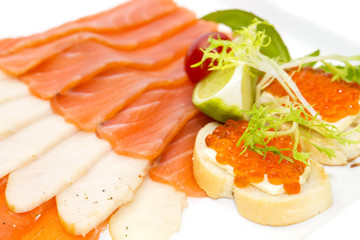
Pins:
x: 212, y: 178
x: 254, y: 204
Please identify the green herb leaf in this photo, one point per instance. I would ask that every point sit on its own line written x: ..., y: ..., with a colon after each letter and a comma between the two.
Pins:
x: 314, y: 54
x: 346, y: 69
x: 328, y: 151
x: 238, y: 19
x: 348, y: 73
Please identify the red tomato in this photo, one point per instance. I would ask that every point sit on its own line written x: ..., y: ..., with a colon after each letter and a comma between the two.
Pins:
x: 194, y: 55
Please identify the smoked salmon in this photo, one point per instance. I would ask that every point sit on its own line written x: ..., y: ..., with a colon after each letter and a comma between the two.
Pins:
x: 14, y: 225
x: 87, y: 59
x: 119, y: 72
x: 125, y: 16
x: 48, y: 227
x: 103, y: 96
x: 175, y: 165
x: 24, y: 60
x: 145, y: 127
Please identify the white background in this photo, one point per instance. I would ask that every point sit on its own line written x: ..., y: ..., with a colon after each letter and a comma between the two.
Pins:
x: 306, y: 25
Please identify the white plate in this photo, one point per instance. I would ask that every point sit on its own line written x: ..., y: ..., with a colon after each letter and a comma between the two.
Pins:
x: 306, y: 25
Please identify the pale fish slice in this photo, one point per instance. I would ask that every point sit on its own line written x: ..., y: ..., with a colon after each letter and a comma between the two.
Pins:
x: 20, y: 113
x: 154, y: 214
x: 3, y: 75
x: 32, y: 141
x: 39, y: 181
x: 11, y: 88
x: 108, y: 185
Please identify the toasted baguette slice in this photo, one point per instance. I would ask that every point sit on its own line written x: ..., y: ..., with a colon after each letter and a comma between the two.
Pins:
x: 254, y: 204
x: 212, y: 178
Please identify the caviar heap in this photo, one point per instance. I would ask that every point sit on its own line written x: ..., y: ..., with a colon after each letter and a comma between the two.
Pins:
x: 250, y: 167
x: 333, y: 100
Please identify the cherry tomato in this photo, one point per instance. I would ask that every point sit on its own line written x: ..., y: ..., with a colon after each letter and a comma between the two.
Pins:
x: 194, y: 55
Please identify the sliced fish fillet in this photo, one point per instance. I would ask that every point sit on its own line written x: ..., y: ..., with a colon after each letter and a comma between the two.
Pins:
x: 28, y: 144
x: 21, y: 112
x: 24, y: 60
x: 94, y: 197
x: 175, y: 167
x: 14, y: 225
x: 103, y: 96
x: 154, y: 214
x: 11, y: 88
x: 87, y: 59
x: 48, y: 227
x: 39, y: 181
x: 145, y: 127
x: 125, y: 16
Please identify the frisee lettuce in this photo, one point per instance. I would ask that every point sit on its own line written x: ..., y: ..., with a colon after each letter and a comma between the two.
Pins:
x: 347, y: 71
x: 269, y: 122
x: 245, y: 49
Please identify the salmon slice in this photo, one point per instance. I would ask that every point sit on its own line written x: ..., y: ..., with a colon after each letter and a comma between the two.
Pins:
x: 87, y: 59
x: 24, y: 60
x: 102, y: 97
x: 145, y: 127
x: 125, y: 16
x: 175, y: 166
x: 14, y: 225
x: 48, y: 227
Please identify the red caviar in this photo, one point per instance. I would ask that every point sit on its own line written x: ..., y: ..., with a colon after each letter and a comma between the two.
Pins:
x: 251, y: 167
x: 333, y: 100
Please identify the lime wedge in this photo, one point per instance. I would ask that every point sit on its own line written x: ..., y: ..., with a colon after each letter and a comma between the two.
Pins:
x: 223, y: 94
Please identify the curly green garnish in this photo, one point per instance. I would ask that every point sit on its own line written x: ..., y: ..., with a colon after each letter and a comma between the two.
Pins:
x: 287, y: 118
x: 297, y: 117
x: 245, y: 49
x: 346, y: 68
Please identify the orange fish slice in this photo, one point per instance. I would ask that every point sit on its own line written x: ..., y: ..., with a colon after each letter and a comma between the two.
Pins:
x: 125, y: 16
x: 145, y: 127
x: 102, y: 97
x: 24, y: 60
x: 13, y: 225
x: 175, y: 166
x: 48, y: 227
x: 88, y: 59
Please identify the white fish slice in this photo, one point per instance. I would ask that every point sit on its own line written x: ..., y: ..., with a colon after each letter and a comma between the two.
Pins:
x: 11, y: 88
x: 29, y: 143
x: 94, y: 197
x: 37, y: 182
x: 20, y: 113
x: 154, y: 214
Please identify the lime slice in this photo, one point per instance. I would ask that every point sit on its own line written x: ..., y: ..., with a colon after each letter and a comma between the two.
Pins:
x: 223, y: 94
